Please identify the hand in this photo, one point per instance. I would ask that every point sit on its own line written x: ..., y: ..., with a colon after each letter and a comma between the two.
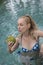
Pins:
x: 10, y: 43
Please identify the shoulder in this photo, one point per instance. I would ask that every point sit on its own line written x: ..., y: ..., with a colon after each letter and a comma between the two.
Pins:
x: 39, y: 33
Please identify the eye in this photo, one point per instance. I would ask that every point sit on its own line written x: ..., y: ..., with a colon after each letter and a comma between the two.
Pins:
x: 20, y: 24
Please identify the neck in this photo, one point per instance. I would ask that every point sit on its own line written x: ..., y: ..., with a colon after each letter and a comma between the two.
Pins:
x: 26, y: 34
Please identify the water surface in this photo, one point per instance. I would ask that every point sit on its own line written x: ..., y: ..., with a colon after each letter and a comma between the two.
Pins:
x: 10, y: 11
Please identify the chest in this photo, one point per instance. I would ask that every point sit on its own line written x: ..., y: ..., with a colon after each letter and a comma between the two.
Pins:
x: 28, y: 40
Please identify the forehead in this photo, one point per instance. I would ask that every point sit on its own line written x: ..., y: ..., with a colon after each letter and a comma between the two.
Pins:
x: 21, y: 20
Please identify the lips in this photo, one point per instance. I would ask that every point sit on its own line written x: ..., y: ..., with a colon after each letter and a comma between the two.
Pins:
x: 19, y: 30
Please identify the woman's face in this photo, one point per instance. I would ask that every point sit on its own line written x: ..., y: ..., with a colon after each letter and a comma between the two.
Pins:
x: 22, y: 26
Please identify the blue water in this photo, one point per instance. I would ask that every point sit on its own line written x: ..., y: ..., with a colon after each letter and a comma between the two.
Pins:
x: 10, y: 11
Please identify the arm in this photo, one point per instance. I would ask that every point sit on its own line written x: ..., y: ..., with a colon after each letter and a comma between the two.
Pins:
x: 39, y: 33
x: 41, y: 49
x: 13, y: 47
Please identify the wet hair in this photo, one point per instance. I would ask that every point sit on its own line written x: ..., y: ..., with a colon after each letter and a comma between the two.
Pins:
x: 33, y: 25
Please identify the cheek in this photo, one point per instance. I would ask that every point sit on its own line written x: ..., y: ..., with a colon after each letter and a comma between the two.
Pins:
x: 24, y: 28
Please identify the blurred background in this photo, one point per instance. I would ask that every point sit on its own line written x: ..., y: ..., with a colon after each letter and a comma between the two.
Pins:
x: 10, y: 11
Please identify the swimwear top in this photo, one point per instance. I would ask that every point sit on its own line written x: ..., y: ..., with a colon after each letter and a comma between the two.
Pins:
x: 33, y: 54
x: 35, y: 48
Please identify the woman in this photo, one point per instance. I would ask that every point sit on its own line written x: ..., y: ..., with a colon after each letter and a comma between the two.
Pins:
x: 29, y: 41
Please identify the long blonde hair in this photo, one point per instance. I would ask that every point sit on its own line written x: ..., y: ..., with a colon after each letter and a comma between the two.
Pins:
x: 33, y: 25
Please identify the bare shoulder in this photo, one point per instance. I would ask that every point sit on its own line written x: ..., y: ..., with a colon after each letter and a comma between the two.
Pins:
x: 38, y: 33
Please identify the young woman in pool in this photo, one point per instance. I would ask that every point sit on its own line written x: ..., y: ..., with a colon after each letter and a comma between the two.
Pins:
x: 29, y: 41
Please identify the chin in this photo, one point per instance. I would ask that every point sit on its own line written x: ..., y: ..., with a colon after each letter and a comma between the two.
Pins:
x: 20, y: 32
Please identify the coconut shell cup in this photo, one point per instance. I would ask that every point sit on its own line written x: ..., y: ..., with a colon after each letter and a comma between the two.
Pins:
x: 11, y: 39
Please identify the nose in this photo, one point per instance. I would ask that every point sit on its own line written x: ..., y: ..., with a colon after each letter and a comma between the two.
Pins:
x: 19, y: 27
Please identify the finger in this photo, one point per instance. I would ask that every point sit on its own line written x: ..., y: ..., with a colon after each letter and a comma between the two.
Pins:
x: 10, y: 43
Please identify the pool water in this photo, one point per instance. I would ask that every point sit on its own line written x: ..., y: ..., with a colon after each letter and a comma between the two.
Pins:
x: 10, y: 11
